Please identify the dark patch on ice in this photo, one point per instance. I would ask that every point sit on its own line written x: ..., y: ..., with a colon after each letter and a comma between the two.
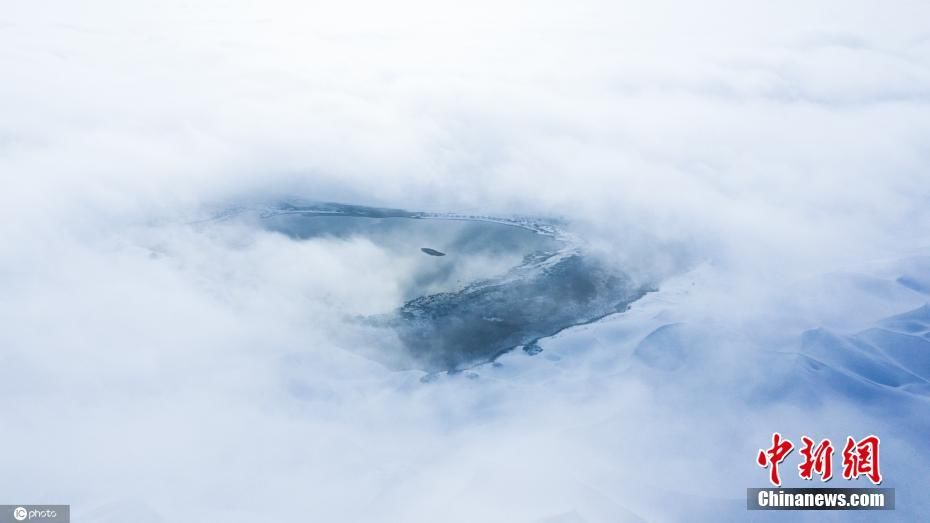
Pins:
x: 532, y: 348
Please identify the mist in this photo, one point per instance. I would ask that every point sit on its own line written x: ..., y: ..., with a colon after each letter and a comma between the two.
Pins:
x: 762, y: 169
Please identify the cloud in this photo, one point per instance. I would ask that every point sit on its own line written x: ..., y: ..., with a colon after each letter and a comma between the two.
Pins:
x: 765, y: 166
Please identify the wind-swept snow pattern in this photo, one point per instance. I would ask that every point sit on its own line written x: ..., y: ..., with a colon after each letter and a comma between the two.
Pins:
x: 892, y: 357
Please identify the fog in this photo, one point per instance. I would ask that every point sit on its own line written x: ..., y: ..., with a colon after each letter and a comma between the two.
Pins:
x: 764, y: 167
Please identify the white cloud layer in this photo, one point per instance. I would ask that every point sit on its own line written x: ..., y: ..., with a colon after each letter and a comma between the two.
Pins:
x: 766, y: 164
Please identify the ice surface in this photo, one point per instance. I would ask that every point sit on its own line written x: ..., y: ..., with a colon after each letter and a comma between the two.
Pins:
x: 555, y: 285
